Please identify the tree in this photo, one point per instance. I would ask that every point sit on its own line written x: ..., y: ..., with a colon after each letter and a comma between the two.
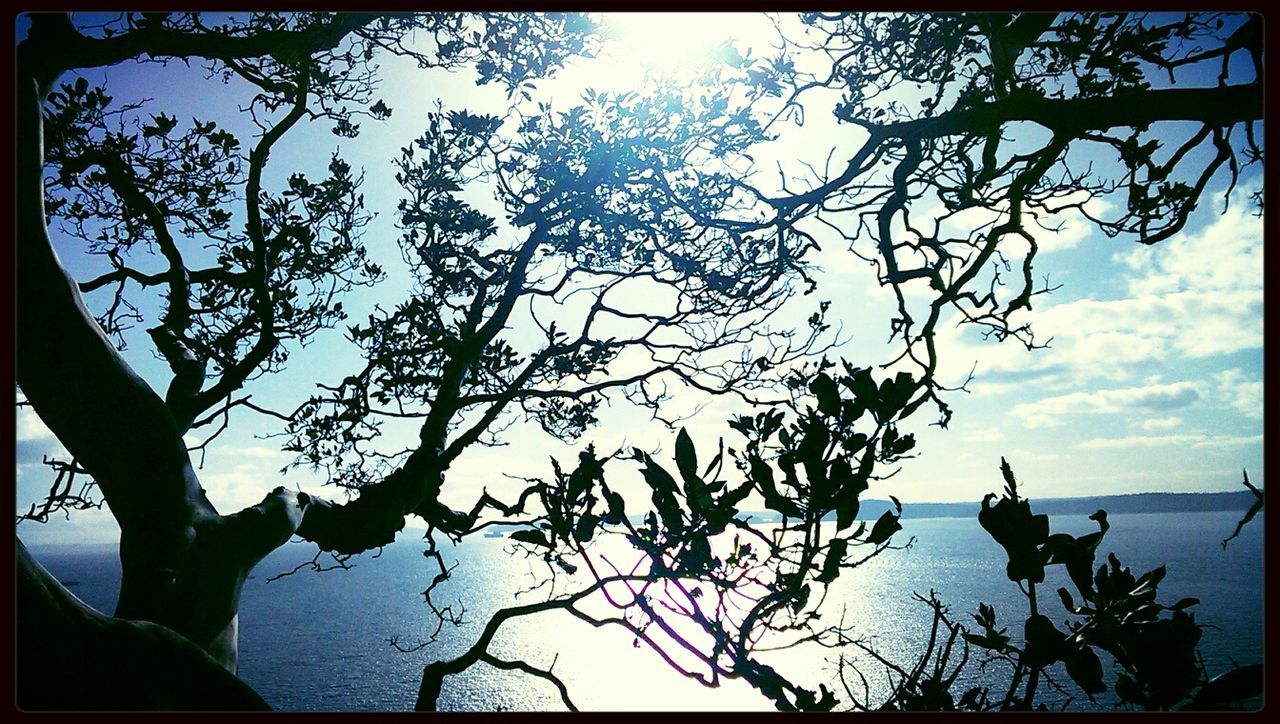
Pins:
x: 617, y: 191
x: 602, y: 196
x: 978, y: 129
x: 1153, y: 645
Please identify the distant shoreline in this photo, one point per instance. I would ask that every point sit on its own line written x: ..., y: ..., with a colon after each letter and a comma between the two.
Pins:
x: 1127, y: 503
x: 1235, y: 500
x: 1114, y: 505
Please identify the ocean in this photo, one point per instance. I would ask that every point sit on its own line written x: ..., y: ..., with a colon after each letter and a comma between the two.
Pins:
x: 320, y: 641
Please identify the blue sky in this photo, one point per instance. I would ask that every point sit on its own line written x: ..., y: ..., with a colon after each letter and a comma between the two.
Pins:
x: 1153, y: 380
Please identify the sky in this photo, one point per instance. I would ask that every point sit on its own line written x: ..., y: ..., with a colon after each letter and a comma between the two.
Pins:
x: 1153, y: 380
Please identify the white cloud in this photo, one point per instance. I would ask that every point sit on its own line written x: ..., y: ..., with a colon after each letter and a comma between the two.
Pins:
x: 1196, y: 295
x: 1244, y: 395
x: 1228, y: 379
x: 1066, y: 229
x: 259, y: 452
x: 1195, y: 441
x: 1161, y: 423
x: 1225, y: 255
x: 29, y: 426
x: 1248, y: 399
x: 1231, y: 441
x: 987, y: 434
x: 1016, y: 456
x: 1045, y: 412
x: 244, y: 485
x: 1141, y: 441
x: 1113, y: 339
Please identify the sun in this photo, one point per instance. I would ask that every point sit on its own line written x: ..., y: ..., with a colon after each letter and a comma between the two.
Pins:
x: 671, y: 49
x: 668, y: 43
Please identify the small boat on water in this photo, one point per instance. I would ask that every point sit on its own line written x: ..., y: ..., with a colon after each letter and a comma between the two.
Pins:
x: 494, y: 534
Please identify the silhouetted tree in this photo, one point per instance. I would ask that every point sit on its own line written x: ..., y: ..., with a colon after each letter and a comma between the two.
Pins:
x: 698, y: 580
x: 1152, y: 646
x: 604, y: 201
x: 979, y: 115
x: 978, y: 130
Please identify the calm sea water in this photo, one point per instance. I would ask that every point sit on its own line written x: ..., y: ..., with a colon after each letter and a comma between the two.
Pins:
x: 319, y: 641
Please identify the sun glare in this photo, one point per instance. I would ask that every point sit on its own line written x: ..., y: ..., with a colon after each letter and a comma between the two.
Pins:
x: 668, y: 43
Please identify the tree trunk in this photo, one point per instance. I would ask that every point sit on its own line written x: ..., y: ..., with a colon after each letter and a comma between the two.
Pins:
x: 182, y: 563
x: 70, y: 657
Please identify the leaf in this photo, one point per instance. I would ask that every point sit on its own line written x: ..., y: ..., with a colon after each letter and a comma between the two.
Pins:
x: 1045, y: 643
x: 800, y: 599
x: 847, y: 489
x: 714, y: 465
x: 696, y: 493
x: 1012, y: 485
x: 893, y: 444
x: 696, y: 557
x: 1145, y: 587
x: 810, y: 453
x: 686, y: 456
x: 894, y: 395
x: 1085, y: 669
x: 992, y: 640
x: 884, y: 528
x: 824, y: 389
x: 663, y: 487
x: 733, y: 496
x: 862, y: 386
x: 617, y: 510
x: 831, y: 566
x: 762, y: 476
x: 585, y: 527
x: 744, y: 424
x: 532, y: 537
x: 1068, y: 602
x: 1011, y: 524
x: 906, y: 411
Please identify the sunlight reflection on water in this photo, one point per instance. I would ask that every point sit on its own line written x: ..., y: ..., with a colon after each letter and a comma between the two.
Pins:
x: 319, y: 641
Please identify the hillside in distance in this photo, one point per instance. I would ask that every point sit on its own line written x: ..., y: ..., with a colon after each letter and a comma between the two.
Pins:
x: 871, y: 509
x: 1114, y: 505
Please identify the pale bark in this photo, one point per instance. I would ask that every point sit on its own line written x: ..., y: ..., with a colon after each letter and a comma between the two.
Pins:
x: 73, y: 657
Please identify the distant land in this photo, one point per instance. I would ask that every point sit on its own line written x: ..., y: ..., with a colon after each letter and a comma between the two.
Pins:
x: 872, y: 509
x: 1113, y: 504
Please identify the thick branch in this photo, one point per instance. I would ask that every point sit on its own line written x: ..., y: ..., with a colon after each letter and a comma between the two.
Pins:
x: 170, y: 335
x: 75, y: 50
x: 106, y: 416
x: 1217, y: 107
x: 1070, y: 117
x: 70, y: 657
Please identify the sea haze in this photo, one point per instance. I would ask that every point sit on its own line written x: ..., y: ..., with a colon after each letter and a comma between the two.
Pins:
x: 320, y: 641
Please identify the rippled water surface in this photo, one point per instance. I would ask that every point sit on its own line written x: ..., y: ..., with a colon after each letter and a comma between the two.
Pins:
x: 320, y: 641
